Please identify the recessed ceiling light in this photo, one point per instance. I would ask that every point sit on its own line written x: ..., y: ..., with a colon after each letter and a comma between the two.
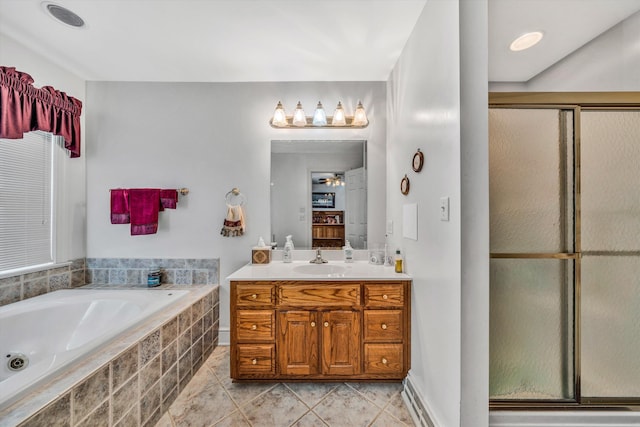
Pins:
x: 526, y: 41
x: 64, y: 15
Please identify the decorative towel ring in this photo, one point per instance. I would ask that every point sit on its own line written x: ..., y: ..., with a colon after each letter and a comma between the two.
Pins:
x: 235, y: 197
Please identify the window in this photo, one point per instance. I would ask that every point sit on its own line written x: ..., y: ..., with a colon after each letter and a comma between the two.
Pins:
x: 26, y: 200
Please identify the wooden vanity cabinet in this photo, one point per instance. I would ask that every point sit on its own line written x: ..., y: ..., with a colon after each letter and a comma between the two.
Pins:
x: 325, y: 330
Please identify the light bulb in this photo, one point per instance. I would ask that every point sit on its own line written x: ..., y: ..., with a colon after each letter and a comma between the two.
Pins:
x: 299, y: 119
x: 338, y: 116
x: 319, y: 117
x: 279, y: 116
x: 360, y: 117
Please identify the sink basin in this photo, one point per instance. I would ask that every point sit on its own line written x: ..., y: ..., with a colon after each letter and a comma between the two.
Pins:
x: 319, y: 269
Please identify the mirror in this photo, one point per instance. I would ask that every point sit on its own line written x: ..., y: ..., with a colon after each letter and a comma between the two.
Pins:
x: 303, y: 208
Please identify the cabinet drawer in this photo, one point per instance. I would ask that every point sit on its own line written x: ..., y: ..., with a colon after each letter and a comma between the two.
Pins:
x: 383, y: 358
x: 254, y: 294
x: 384, y: 295
x: 383, y: 325
x: 320, y: 294
x: 256, y: 359
x: 255, y: 325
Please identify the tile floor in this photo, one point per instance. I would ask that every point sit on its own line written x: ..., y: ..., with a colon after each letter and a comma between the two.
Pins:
x: 211, y: 399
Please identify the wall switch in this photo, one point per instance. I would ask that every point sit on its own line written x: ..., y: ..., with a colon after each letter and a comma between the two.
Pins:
x: 302, y: 217
x: 444, y: 209
x: 390, y: 227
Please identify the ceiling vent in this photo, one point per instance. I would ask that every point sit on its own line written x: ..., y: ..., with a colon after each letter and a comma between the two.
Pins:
x: 64, y: 15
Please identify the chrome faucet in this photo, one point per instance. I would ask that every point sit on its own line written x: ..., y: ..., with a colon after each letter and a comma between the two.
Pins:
x: 318, y: 259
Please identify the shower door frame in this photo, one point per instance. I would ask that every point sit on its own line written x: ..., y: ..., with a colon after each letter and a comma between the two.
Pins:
x: 576, y: 102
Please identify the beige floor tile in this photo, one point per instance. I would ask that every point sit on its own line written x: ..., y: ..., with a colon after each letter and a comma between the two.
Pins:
x: 202, y: 403
x: 277, y: 407
x: 378, y: 393
x: 312, y: 393
x: 236, y: 419
x: 309, y: 420
x: 346, y: 407
x: 213, y: 399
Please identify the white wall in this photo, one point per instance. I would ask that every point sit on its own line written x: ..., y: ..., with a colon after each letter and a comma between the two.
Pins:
x: 71, y: 203
x: 209, y: 137
x: 436, y: 107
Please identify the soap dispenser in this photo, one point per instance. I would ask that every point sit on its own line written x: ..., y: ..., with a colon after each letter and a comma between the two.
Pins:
x: 287, y: 254
x: 348, y: 252
x: 398, y: 262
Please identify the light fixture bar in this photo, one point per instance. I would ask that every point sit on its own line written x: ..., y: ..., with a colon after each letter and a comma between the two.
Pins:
x: 319, y: 120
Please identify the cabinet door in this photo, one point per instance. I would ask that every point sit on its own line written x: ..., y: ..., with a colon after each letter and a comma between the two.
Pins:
x: 298, y: 342
x: 340, y: 343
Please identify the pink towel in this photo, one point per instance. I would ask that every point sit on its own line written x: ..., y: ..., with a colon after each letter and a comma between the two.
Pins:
x: 119, y: 206
x: 144, y: 204
x: 168, y: 199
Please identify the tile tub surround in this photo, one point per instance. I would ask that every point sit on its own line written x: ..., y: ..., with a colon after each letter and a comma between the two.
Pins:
x: 27, y: 285
x: 119, y: 271
x: 133, y: 380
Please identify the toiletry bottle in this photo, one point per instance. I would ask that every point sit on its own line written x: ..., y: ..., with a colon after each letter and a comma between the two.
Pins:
x: 287, y: 255
x: 398, y: 261
x: 348, y: 252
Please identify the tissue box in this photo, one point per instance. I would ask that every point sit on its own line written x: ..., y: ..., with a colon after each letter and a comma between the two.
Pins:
x: 261, y: 255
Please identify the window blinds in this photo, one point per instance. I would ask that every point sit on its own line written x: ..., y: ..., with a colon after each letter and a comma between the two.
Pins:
x: 25, y: 201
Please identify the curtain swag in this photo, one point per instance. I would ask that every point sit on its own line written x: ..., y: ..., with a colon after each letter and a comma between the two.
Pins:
x: 25, y: 108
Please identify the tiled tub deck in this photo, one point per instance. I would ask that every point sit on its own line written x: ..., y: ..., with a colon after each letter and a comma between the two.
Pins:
x: 134, y: 379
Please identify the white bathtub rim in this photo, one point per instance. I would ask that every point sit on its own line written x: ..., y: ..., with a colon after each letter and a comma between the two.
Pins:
x: 66, y: 380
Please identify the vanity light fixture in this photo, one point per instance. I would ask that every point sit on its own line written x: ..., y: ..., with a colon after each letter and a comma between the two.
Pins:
x: 279, y: 116
x: 299, y: 119
x: 526, y: 41
x: 360, y: 117
x: 319, y: 120
x: 319, y: 117
x: 339, y: 118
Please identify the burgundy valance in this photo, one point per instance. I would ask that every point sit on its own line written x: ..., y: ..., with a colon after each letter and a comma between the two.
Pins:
x: 25, y: 108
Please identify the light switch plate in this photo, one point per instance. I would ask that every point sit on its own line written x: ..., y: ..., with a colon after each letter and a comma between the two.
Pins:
x: 444, y: 209
x: 390, y: 227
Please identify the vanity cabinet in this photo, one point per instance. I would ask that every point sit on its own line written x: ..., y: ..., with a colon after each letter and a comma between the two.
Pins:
x: 320, y: 330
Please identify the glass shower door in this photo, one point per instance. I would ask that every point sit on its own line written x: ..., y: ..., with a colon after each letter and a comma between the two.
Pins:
x: 533, y: 255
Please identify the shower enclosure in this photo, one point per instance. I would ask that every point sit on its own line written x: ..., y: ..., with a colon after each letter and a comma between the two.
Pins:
x: 565, y: 250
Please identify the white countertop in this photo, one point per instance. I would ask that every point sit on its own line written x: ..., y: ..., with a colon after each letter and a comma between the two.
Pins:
x: 303, y: 270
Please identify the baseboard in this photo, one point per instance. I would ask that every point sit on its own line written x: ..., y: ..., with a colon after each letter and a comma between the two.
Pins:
x: 224, y: 336
x: 564, y: 419
x: 418, y: 407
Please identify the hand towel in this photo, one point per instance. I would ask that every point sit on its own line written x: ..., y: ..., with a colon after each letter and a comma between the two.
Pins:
x: 168, y: 199
x: 119, y: 206
x: 234, y: 222
x: 144, y: 205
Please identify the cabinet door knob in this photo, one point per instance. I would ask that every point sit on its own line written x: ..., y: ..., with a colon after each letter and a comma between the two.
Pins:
x: 254, y: 296
x: 326, y: 324
x: 254, y: 327
x: 313, y: 324
x: 254, y: 361
x: 383, y: 326
x: 384, y: 361
x: 385, y: 296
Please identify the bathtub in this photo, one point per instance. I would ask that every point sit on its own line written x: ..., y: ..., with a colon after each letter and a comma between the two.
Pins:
x: 43, y: 336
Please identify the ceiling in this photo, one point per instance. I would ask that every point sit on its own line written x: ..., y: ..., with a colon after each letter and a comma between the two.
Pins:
x: 284, y: 40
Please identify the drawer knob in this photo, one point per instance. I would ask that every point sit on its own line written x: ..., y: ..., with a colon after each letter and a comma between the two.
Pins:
x: 313, y: 324
x: 254, y: 327
x: 326, y: 324
x: 385, y: 296
x: 254, y: 296
x: 383, y: 326
x: 254, y: 361
x: 384, y: 361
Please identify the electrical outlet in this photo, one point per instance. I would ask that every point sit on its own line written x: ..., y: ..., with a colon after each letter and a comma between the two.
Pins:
x: 444, y: 209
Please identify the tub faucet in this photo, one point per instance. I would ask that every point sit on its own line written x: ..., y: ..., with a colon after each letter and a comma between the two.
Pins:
x: 318, y: 259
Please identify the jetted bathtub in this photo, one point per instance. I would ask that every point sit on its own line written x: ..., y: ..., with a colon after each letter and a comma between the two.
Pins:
x: 41, y: 336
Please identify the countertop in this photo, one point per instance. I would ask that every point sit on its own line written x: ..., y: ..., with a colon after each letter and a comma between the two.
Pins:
x: 303, y: 270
